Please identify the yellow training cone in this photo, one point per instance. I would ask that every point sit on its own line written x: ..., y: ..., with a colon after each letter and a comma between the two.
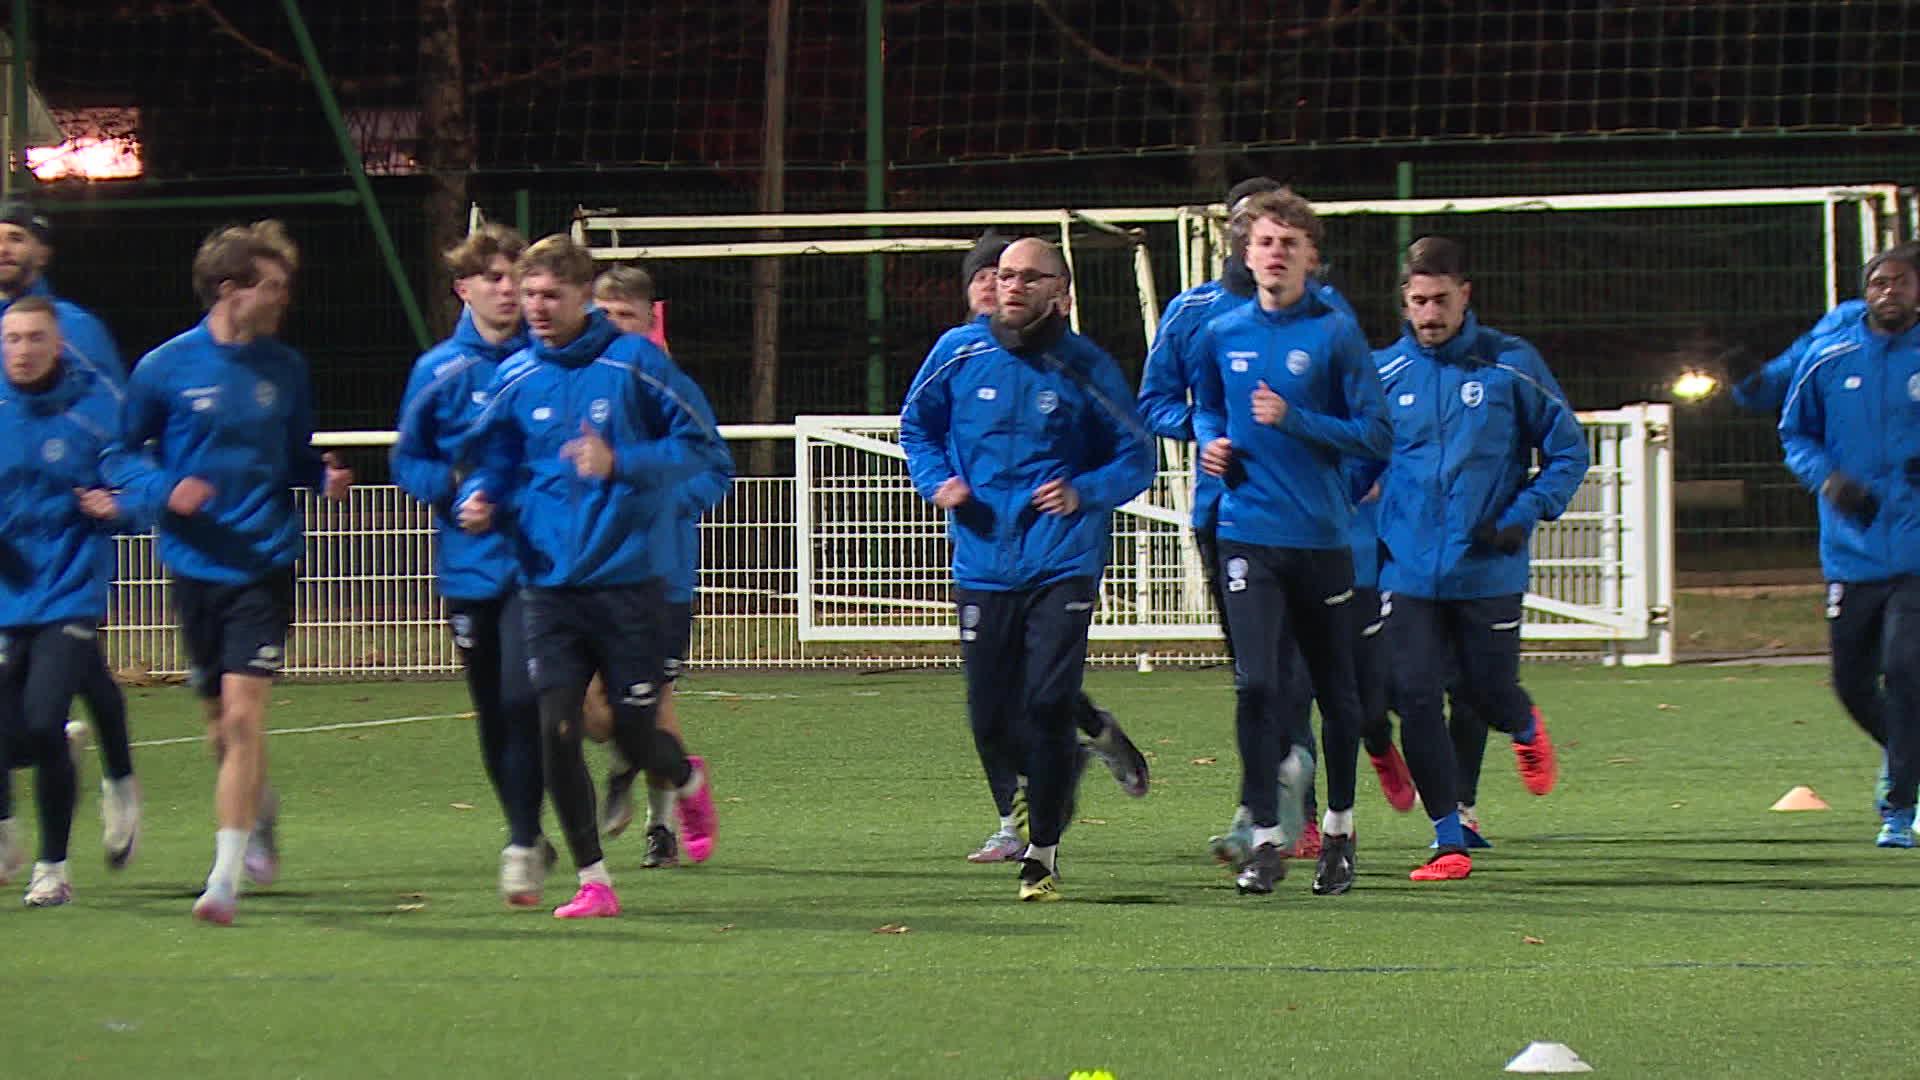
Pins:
x: 1801, y: 798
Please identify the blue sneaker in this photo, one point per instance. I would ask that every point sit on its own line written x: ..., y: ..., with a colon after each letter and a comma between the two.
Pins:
x: 1896, y: 829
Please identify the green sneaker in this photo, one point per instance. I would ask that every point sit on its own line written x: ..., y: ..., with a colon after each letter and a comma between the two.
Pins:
x: 1235, y: 846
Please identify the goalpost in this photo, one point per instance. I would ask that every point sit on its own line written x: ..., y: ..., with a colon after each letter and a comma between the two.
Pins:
x: 840, y: 563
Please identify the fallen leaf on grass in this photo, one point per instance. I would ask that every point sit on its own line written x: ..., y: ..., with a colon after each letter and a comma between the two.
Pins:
x: 1665, y: 707
x: 734, y: 798
x: 892, y: 928
x: 409, y: 907
x: 1164, y: 742
x: 1529, y: 939
x: 723, y: 928
x: 1623, y: 761
x: 1205, y: 761
x: 1091, y: 821
x: 1678, y: 805
x: 461, y: 805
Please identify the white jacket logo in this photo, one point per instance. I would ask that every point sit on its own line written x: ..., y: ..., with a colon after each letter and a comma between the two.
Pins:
x: 1236, y: 574
x: 264, y: 394
x: 986, y: 393
x: 53, y: 450
x: 1047, y: 401
x: 1298, y: 362
x: 1913, y: 387
x: 1472, y: 394
x: 599, y: 410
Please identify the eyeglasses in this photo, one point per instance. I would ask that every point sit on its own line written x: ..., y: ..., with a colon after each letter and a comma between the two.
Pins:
x: 1025, y: 277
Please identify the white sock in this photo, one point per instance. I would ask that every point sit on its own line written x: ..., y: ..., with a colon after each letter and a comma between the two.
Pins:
x: 694, y: 783
x: 596, y: 874
x: 229, y: 852
x: 660, y: 802
x: 123, y: 787
x: 1268, y: 835
x: 59, y: 868
x: 1337, y: 823
x: 1007, y: 824
x: 1242, y: 816
x: 1043, y: 854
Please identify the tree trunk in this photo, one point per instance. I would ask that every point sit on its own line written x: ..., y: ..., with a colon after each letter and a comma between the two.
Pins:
x: 447, y: 150
x: 1203, y: 97
x: 763, y: 379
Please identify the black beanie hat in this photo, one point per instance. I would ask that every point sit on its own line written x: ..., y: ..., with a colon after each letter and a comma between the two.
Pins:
x: 986, y: 252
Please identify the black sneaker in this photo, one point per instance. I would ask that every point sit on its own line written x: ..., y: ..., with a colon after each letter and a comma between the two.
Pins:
x: 1037, y: 883
x: 617, y: 810
x: 662, y: 849
x: 1123, y: 759
x: 1264, y: 867
x: 1333, y: 874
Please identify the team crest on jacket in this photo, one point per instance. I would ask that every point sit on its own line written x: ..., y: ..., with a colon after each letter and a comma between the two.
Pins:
x: 969, y: 622
x: 986, y: 393
x: 53, y: 450
x: 1913, y: 387
x: 543, y: 413
x: 1298, y: 361
x: 1472, y: 394
x: 599, y: 410
x: 264, y: 394
x: 1406, y: 400
x: 1851, y: 382
x: 1047, y: 401
x: 1236, y: 574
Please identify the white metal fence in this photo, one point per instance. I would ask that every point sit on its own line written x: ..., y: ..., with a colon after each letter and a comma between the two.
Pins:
x: 842, y: 564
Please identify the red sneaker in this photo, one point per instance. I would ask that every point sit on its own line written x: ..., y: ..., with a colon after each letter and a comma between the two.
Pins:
x: 1308, y: 846
x: 1449, y: 865
x: 1396, y: 783
x: 1539, y: 768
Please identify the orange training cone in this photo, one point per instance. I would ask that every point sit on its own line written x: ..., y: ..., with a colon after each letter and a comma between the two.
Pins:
x: 1801, y: 798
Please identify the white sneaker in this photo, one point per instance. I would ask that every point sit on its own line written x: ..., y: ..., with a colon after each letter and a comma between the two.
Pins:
x: 523, y: 876
x: 120, y: 820
x: 49, y: 887
x: 13, y: 857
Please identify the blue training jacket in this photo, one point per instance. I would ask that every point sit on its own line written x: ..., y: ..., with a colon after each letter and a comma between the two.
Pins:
x: 444, y: 397
x: 87, y: 340
x: 1467, y: 419
x: 1765, y: 391
x: 1854, y: 408
x: 1173, y: 367
x: 571, y: 532
x: 237, y: 416
x: 55, y: 562
x: 1009, y: 420
x: 1287, y: 487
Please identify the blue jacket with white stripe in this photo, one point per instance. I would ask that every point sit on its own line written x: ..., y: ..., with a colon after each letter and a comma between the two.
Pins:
x: 1287, y: 487
x: 444, y: 397
x: 55, y: 562
x: 239, y: 416
x: 1765, y: 391
x: 568, y: 531
x: 1009, y: 419
x: 1467, y: 419
x: 1173, y: 367
x: 1854, y: 408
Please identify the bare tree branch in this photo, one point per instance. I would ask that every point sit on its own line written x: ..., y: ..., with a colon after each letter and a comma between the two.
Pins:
x: 1106, y: 59
x: 225, y: 26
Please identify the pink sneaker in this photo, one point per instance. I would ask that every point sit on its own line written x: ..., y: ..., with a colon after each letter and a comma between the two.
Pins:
x: 593, y: 901
x: 695, y: 813
x: 214, y: 907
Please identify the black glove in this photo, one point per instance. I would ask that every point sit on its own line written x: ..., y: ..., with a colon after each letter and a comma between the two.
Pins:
x: 1506, y: 540
x: 1851, y: 498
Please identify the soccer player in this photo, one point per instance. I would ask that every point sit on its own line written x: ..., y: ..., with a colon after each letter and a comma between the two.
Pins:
x: 1851, y: 431
x: 1099, y: 732
x: 1471, y: 406
x: 229, y: 410
x: 625, y: 294
x: 1286, y: 391
x: 56, y: 558
x: 1025, y: 433
x: 478, y: 575
x: 26, y: 246
x: 585, y: 444
x: 1166, y: 385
